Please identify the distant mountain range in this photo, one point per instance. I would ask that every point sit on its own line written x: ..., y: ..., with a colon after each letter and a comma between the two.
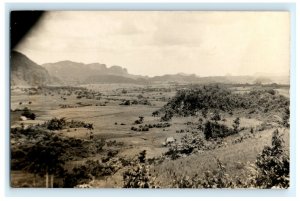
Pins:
x: 73, y: 73
x: 26, y: 72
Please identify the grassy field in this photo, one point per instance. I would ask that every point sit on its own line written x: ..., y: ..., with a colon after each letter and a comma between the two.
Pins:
x: 234, y: 156
x: 114, y: 121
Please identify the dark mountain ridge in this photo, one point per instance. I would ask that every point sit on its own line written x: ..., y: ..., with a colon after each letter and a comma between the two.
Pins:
x: 26, y: 72
x: 74, y: 73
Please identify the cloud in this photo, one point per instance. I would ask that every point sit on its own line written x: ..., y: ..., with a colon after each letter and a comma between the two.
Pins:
x: 153, y: 42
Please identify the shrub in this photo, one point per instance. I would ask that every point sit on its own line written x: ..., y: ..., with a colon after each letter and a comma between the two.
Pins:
x: 155, y: 113
x: 270, y: 170
x: 173, y: 153
x: 140, y: 120
x: 216, y: 116
x: 142, y: 156
x: 286, y: 118
x: 137, y: 177
x: 138, y: 174
x: 28, y: 114
x: 91, y: 169
x: 204, y: 112
x: 167, y: 117
x: 273, y: 165
x: 216, y: 179
x: 126, y: 102
x: 215, y: 130
x: 112, y: 153
x: 56, y: 124
x: 236, y: 124
x: 134, y: 102
x: 61, y: 123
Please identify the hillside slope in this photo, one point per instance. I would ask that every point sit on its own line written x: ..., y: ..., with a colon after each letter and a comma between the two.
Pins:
x: 25, y: 72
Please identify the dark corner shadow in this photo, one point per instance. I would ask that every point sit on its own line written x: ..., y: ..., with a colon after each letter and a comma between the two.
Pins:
x: 20, y: 24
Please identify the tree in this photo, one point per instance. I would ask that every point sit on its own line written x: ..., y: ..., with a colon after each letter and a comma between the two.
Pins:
x: 216, y: 130
x: 200, y: 120
x: 155, y: 113
x: 216, y: 116
x: 141, y: 118
x: 273, y: 164
x: 204, y: 112
x: 46, y: 158
x: 208, y: 130
x: 124, y: 91
x: 90, y: 126
x: 138, y: 175
x: 286, y: 118
x: 236, y: 124
x: 56, y: 124
x: 167, y: 117
x: 142, y: 156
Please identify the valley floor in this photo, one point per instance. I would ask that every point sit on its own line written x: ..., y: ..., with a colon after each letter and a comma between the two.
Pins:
x: 113, y: 121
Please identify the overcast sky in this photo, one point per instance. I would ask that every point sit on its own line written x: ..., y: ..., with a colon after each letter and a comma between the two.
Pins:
x: 156, y: 43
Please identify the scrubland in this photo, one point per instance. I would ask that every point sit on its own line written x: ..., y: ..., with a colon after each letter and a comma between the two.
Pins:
x: 158, y: 136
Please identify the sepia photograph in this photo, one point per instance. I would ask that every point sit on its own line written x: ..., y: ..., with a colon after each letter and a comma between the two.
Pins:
x: 149, y: 99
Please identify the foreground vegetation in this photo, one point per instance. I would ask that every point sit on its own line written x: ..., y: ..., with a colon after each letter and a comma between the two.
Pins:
x: 163, y: 142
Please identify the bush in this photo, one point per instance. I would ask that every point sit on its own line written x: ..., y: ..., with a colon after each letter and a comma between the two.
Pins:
x: 92, y: 169
x: 273, y: 165
x: 236, y: 124
x: 167, y: 117
x: 56, y: 124
x: 126, y: 102
x: 286, y: 118
x: 155, y: 113
x: 138, y: 175
x: 216, y: 179
x: 271, y: 170
x: 215, y: 130
x: 28, y: 114
x: 173, y: 153
x: 142, y: 156
x: 139, y: 121
x: 112, y: 153
x: 61, y: 123
x: 216, y: 116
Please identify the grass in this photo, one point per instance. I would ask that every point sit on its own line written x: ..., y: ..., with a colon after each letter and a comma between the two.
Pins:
x: 24, y: 179
x: 235, y: 156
